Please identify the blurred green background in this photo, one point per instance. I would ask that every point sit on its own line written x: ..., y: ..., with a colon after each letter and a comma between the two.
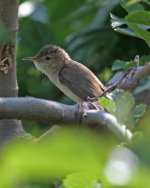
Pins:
x: 83, y: 29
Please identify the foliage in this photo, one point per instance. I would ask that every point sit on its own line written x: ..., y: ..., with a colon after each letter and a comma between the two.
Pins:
x: 83, y: 29
x: 68, y: 153
x: 119, y: 65
x: 123, y: 107
x: 133, y: 24
x: 144, y: 84
x: 137, y: 25
x: 78, y: 158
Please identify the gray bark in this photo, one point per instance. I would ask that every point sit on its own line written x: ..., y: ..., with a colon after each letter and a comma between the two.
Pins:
x: 8, y: 80
x: 130, y: 83
x: 52, y: 112
x: 29, y: 108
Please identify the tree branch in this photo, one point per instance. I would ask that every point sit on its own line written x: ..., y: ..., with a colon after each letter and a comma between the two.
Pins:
x: 8, y: 78
x: 29, y: 108
x: 131, y: 80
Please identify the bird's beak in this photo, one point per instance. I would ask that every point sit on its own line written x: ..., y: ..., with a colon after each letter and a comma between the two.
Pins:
x: 29, y: 58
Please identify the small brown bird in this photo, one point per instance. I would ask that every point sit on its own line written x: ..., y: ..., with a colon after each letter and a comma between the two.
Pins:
x: 72, y: 78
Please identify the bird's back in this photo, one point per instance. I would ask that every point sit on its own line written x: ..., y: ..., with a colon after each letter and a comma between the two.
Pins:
x: 80, y: 80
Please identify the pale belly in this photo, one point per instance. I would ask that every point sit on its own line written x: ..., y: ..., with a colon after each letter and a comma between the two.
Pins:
x: 54, y: 78
x: 65, y: 90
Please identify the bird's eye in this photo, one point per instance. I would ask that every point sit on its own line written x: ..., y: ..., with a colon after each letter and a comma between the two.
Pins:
x: 47, y: 58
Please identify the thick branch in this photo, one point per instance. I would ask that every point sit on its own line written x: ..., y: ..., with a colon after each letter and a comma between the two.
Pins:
x: 52, y: 112
x: 29, y: 108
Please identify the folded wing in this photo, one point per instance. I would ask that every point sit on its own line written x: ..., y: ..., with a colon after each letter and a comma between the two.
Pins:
x: 80, y: 80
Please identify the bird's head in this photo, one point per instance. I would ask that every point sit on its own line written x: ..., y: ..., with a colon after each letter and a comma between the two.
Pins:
x: 49, y: 56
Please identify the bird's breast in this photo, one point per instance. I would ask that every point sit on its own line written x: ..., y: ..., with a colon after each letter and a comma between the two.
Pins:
x: 53, y: 76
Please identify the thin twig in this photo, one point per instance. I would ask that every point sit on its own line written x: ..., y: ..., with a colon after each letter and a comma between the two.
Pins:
x: 130, y: 82
x: 131, y: 71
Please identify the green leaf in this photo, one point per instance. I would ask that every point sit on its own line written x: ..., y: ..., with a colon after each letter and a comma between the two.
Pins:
x: 119, y: 64
x: 139, y: 22
x: 131, y: 2
x: 145, y: 59
x: 139, y: 110
x: 137, y: 135
x: 132, y: 5
x: 65, y: 152
x: 118, y: 25
x: 139, y: 17
x: 125, y: 31
x: 80, y: 180
x: 108, y: 104
x: 116, y: 21
x: 135, y: 115
x: 140, y: 32
x: 124, y: 103
x: 144, y: 84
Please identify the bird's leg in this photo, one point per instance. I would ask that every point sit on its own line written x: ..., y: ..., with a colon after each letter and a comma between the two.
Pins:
x: 94, y: 104
x: 92, y: 99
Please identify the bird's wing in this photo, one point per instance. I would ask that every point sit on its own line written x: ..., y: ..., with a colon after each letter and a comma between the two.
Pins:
x: 80, y: 80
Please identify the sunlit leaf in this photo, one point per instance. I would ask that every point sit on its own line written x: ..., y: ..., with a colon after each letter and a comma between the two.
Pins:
x: 108, y: 104
x: 80, y: 180
x: 131, y: 2
x: 116, y: 21
x: 67, y: 151
x: 140, y: 24
x: 120, y: 25
x: 137, y: 25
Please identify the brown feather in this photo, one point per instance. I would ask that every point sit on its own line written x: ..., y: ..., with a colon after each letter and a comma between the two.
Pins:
x: 80, y: 80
